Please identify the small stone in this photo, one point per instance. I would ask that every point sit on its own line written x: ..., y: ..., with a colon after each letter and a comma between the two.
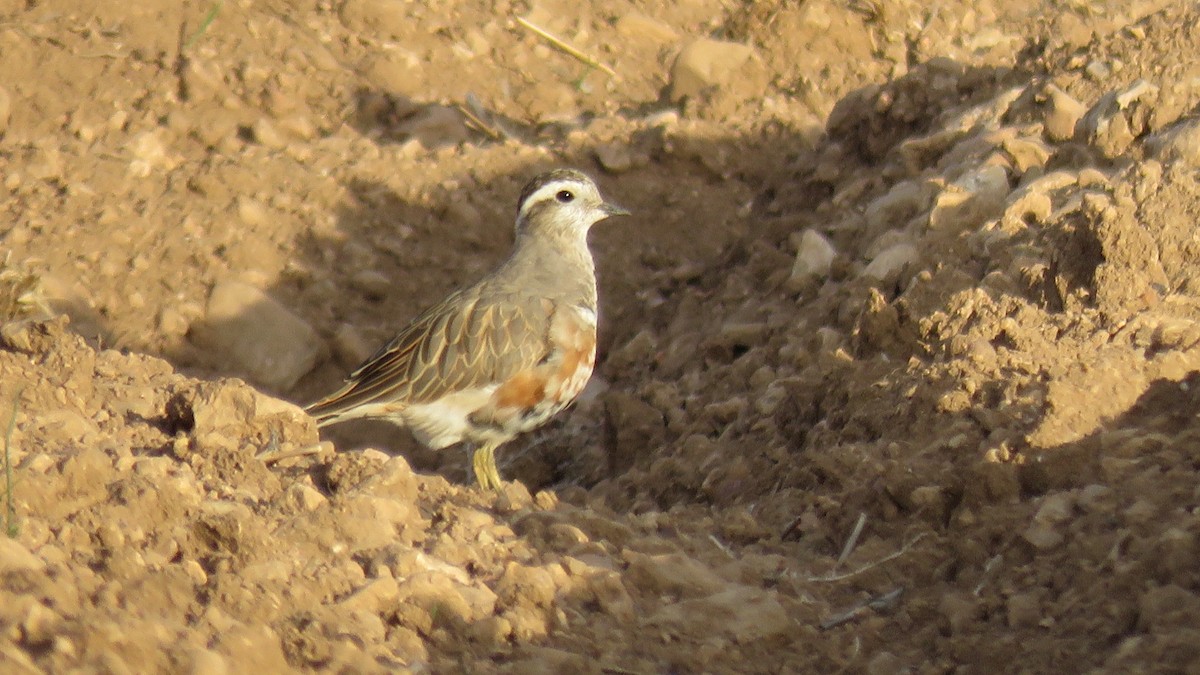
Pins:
x: 743, y: 613
x: 674, y: 574
x: 434, y: 126
x: 960, y: 611
x: 172, y: 322
x: 638, y: 27
x: 306, y: 497
x: 1062, y: 114
x: 814, y: 258
x: 251, y: 332
x: 252, y: 212
x: 1055, y: 508
x: 1023, y: 611
x: 1117, y: 119
x: 371, y: 283
x: 16, y: 558
x: 267, y: 134
x: 1042, y: 536
x: 5, y: 109
x: 206, y: 662
x: 1180, y: 142
x: 614, y: 157
x: 350, y: 347
x: 374, y: 596
x: 891, y: 262
x: 705, y: 67
x: 899, y: 204
x: 462, y: 213
x: 149, y: 151
x: 976, y: 197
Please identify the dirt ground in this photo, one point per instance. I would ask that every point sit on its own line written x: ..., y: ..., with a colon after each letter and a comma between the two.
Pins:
x: 899, y: 362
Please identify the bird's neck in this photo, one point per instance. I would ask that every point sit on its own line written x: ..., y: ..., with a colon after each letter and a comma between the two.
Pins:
x: 558, y: 265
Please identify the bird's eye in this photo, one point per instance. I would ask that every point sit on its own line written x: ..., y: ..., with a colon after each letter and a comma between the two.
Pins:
x: 565, y: 196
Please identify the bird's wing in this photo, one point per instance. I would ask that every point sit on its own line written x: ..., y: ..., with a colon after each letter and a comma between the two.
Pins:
x: 463, y: 343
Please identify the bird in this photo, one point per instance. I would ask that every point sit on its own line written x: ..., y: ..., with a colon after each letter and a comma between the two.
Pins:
x: 502, y: 356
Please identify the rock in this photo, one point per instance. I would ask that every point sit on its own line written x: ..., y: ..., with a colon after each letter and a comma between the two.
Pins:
x: 371, y: 283
x: 16, y: 558
x: 378, y: 18
x: 375, y: 596
x: 671, y: 574
x: 707, y: 68
x: 975, y: 197
x: 1055, y: 508
x: 350, y: 347
x: 637, y: 27
x: 268, y: 134
x: 1117, y: 119
x: 434, y: 126
x: 614, y: 157
x: 891, y: 262
x: 1062, y: 113
x: 814, y: 258
x: 1023, y: 610
x: 1179, y: 142
x: 633, y: 429
x: 254, y: 648
x: 525, y: 585
x: 960, y: 611
x: 253, y: 334
x: 743, y: 613
x: 149, y: 151
x: 894, y: 208
x: 306, y: 497
x: 5, y: 109
x: 1042, y: 536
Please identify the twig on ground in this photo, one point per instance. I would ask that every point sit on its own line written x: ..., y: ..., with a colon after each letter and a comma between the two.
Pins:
x: 10, y: 510
x: 565, y: 48
x: 476, y: 122
x: 878, y: 602
x: 852, y: 540
x: 271, y: 456
x: 855, y: 572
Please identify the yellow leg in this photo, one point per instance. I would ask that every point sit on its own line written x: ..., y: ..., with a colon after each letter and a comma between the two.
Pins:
x: 484, y: 464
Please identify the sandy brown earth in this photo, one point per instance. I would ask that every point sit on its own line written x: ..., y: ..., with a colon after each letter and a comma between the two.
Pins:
x: 900, y: 352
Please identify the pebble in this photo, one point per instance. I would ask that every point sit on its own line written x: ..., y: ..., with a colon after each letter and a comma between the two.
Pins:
x: 891, y: 262
x: 252, y: 333
x: 1062, y: 113
x: 374, y: 596
x: 706, y: 65
x: 371, y: 283
x: 350, y: 347
x: 637, y: 27
x: 743, y: 613
x: 1117, y: 119
x: 306, y: 497
x: 268, y: 134
x: 1179, y: 142
x: 434, y: 126
x: 614, y: 157
x: 975, y: 197
x: 671, y: 574
x: 5, y: 109
x: 16, y: 558
x: 814, y: 258
x: 900, y: 203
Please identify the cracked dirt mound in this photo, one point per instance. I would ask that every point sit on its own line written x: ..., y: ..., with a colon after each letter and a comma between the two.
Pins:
x: 898, y: 361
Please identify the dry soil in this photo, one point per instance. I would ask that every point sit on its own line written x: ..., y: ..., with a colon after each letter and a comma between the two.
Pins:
x: 900, y: 352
